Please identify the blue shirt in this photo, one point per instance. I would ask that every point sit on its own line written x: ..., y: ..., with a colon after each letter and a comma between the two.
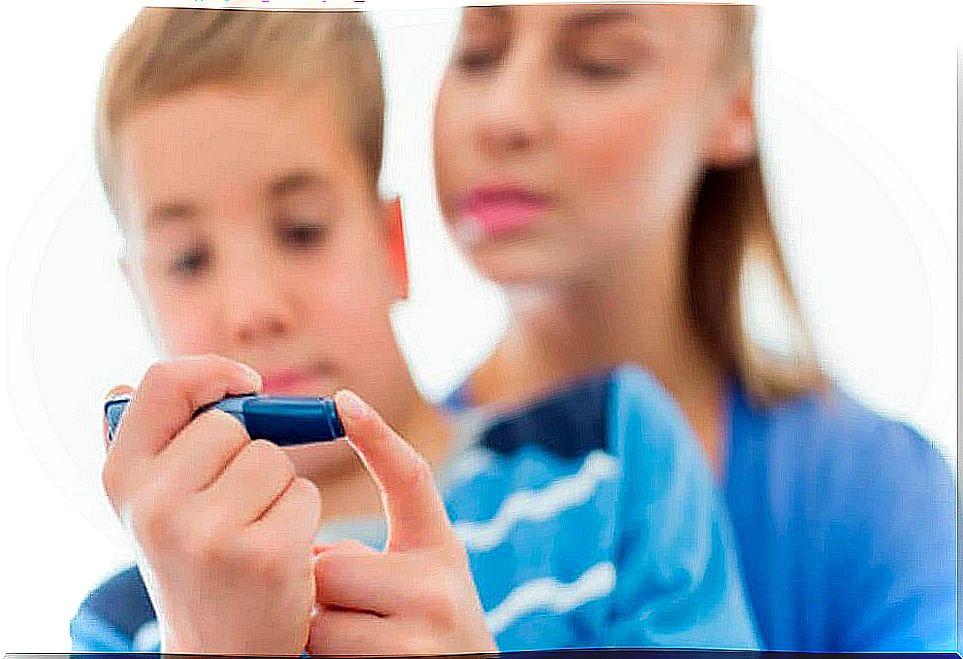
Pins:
x: 590, y: 519
x: 846, y: 523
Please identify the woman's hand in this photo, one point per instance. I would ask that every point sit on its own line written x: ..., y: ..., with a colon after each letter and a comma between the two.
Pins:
x: 416, y: 597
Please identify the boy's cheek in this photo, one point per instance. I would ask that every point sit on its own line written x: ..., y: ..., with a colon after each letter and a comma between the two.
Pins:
x: 182, y: 330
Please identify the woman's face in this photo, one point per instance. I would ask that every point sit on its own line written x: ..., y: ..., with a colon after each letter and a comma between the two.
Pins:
x: 569, y: 138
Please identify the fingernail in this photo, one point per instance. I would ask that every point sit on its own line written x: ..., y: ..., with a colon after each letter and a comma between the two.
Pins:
x: 117, y: 391
x: 349, y: 405
x: 254, y: 376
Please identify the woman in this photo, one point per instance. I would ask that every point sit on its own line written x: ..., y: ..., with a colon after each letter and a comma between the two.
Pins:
x: 601, y: 163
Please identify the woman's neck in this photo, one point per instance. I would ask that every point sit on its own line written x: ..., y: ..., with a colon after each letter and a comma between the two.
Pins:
x: 635, y: 313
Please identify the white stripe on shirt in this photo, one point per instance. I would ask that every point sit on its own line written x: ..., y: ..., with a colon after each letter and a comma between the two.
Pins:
x: 547, y: 593
x: 539, y: 505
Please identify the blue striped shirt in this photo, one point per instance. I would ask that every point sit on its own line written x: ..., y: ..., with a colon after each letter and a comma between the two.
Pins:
x: 590, y: 519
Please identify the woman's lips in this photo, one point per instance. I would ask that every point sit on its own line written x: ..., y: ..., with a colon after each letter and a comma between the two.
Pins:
x: 497, y: 212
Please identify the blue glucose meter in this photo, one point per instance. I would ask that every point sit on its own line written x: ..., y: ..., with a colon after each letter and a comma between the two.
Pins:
x: 283, y: 420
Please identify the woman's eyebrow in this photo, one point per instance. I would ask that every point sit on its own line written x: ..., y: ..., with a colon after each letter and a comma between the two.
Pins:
x: 598, y: 17
x: 500, y: 11
x: 492, y: 13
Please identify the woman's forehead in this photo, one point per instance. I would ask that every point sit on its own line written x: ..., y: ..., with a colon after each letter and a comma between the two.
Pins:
x: 652, y: 16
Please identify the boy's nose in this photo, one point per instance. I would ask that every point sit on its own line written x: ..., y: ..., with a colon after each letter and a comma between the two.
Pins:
x: 259, y: 325
x: 255, y: 307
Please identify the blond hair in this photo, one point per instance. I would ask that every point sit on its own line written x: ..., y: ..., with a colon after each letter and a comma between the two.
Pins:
x: 731, y: 225
x: 169, y: 51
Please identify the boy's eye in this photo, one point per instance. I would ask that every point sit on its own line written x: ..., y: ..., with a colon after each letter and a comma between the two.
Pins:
x: 303, y: 234
x: 476, y: 60
x: 191, y: 262
x: 603, y: 69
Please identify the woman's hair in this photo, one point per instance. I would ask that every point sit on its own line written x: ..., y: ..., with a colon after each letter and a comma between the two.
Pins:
x: 731, y: 228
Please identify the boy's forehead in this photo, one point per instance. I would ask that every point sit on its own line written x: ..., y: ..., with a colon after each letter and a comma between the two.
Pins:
x: 158, y: 209
x: 224, y: 140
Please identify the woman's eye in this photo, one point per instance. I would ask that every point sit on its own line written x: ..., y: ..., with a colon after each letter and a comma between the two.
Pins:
x: 191, y: 262
x: 302, y: 234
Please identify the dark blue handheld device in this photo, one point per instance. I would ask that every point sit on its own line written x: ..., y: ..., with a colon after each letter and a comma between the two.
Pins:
x: 283, y: 420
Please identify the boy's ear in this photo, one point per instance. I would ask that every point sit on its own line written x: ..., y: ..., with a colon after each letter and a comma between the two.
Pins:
x: 397, y: 255
x: 733, y: 141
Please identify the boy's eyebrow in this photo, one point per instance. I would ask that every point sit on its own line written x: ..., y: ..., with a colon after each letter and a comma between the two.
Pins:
x: 171, y: 210
x: 294, y: 182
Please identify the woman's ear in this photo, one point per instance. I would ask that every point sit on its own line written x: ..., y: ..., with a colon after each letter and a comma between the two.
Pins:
x: 397, y: 255
x: 733, y: 140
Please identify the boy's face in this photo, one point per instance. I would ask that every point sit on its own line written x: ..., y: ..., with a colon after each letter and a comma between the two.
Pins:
x: 254, y: 234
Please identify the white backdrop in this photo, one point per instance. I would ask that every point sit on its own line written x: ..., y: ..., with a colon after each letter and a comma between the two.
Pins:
x: 858, y: 114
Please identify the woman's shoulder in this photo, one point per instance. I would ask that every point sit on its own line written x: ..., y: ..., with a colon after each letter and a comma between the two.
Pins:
x: 838, y: 449
x: 832, y: 423
x: 824, y: 485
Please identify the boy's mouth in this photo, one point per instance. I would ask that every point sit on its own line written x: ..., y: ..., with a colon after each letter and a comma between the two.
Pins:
x: 498, y: 212
x: 309, y: 381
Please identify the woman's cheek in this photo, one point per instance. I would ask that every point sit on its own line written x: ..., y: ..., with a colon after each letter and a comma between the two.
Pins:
x: 450, y: 137
x: 608, y: 150
x: 632, y: 164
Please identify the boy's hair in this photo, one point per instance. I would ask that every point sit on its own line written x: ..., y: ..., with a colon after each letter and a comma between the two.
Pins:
x: 169, y: 51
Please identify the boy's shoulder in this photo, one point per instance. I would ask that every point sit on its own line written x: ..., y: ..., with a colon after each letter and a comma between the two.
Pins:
x: 588, y: 414
x: 120, y: 608
x: 611, y: 431
x: 568, y: 423
x: 598, y: 479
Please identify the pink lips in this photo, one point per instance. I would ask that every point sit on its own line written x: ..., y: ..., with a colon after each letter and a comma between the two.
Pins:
x: 500, y: 211
x: 291, y: 382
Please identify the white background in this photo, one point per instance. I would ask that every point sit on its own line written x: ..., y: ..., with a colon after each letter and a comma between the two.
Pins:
x: 858, y: 113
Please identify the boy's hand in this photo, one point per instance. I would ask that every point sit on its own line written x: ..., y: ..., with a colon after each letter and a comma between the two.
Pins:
x: 416, y: 597
x: 223, y: 526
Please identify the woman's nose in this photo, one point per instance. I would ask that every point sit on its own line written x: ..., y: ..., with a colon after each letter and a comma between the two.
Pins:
x: 514, y: 113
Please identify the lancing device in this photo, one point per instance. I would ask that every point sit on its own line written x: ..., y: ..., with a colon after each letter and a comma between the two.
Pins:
x: 283, y: 420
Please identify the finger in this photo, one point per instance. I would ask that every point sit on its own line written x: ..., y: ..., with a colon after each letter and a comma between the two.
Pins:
x: 386, y: 584
x: 199, y: 454
x: 251, y: 483
x: 343, y: 633
x: 295, y: 516
x: 349, y: 546
x: 168, y: 396
x: 415, y: 512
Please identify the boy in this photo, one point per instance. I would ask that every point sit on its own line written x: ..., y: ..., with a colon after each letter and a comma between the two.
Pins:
x: 240, y: 151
